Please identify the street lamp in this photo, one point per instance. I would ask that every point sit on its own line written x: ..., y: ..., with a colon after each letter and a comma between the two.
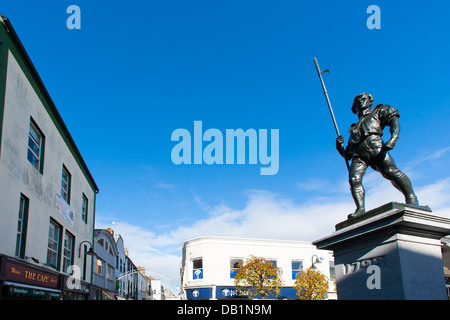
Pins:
x: 90, y: 252
x: 315, y: 262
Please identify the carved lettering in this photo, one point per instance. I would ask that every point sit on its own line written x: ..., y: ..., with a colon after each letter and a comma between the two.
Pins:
x: 363, y: 264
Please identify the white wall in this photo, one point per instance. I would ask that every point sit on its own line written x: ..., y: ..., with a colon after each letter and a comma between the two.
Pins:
x: 216, y: 253
x: 17, y: 174
x: 156, y: 289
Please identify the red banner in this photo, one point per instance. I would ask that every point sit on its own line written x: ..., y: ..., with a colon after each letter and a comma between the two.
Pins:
x: 30, y: 275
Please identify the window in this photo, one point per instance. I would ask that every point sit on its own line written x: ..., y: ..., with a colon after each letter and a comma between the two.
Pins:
x: 197, y: 266
x: 84, y: 261
x: 35, y: 146
x: 65, y: 185
x: 109, y: 272
x: 84, y: 208
x: 332, y: 271
x: 297, y: 267
x: 68, y: 251
x: 274, y: 262
x: 54, y: 235
x: 99, y: 267
x: 22, y: 227
x: 234, y: 265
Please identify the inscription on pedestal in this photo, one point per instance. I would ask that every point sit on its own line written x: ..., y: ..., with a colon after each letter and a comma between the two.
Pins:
x: 362, y: 265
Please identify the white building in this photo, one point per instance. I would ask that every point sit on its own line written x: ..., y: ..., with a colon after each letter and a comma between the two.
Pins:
x: 156, y: 290
x: 209, y: 264
x: 47, y: 194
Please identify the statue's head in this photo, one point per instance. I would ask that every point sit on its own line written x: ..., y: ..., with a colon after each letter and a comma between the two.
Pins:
x: 362, y: 101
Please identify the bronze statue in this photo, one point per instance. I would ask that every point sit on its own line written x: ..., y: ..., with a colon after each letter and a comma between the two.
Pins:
x: 365, y: 148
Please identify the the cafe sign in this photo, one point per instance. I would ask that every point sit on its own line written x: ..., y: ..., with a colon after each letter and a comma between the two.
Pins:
x: 23, y: 274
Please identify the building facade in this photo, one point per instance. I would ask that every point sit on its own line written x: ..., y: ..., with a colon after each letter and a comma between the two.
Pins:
x: 47, y: 194
x: 121, y: 269
x: 210, y: 263
x: 156, y: 291
x: 104, y: 275
x: 131, y: 281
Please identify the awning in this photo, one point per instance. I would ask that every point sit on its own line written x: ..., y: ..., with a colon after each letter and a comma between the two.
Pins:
x: 20, y: 289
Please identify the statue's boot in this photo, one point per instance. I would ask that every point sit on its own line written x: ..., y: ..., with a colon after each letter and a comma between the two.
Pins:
x: 358, y: 194
x: 357, y: 213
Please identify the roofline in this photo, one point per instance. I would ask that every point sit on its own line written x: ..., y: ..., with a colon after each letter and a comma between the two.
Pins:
x: 238, y: 239
x: 106, y: 233
x: 46, y: 94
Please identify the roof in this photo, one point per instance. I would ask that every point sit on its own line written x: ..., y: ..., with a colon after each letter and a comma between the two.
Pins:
x: 235, y: 240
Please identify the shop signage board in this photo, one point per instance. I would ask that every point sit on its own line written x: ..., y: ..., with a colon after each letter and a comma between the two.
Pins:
x: 30, y: 275
x: 29, y: 292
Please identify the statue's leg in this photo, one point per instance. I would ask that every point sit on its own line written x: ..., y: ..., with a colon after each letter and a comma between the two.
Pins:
x: 398, y: 179
x: 357, y: 170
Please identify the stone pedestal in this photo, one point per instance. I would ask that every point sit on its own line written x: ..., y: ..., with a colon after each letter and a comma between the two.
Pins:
x: 392, y: 253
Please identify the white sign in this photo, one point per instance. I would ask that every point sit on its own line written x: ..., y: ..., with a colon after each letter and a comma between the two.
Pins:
x: 64, y: 209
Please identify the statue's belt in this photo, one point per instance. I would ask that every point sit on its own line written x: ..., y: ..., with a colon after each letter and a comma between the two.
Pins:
x: 358, y: 138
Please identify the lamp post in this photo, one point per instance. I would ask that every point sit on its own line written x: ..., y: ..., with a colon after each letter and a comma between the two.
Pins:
x: 90, y: 252
x: 315, y: 262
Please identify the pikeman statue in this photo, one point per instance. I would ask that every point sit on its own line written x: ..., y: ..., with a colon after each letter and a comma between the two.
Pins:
x: 365, y: 148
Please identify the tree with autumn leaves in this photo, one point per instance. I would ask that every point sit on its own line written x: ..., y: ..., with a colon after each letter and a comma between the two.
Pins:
x: 257, y: 276
x: 311, y: 284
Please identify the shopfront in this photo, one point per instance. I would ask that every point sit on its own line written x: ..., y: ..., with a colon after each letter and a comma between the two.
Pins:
x: 75, y: 289
x: 21, y: 280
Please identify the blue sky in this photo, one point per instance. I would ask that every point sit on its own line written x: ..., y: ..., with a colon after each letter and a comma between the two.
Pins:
x: 138, y: 70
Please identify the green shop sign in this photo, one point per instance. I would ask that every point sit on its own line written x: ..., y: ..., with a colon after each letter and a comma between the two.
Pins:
x: 28, y: 292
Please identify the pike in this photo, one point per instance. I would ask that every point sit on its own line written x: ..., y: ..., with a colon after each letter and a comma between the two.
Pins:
x: 320, y: 73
